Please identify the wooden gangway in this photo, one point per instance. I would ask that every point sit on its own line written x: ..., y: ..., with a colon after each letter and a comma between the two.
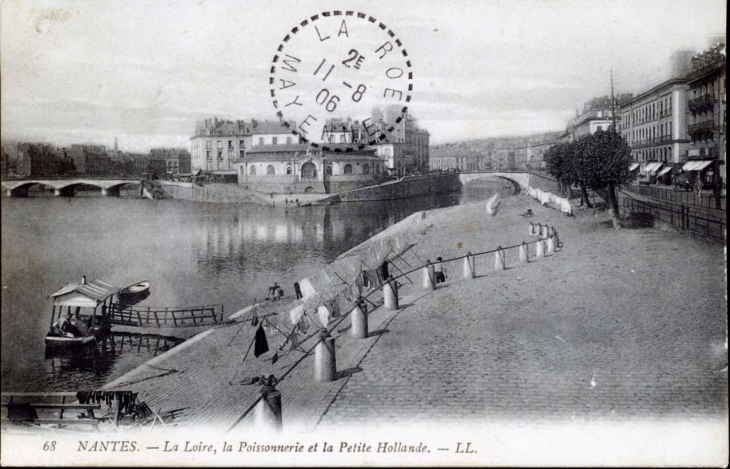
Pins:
x: 165, y: 316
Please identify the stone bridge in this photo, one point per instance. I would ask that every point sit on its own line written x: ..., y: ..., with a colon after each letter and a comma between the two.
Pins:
x: 66, y: 187
x: 519, y: 179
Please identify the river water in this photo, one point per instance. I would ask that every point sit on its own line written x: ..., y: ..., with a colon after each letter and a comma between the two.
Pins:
x: 192, y: 253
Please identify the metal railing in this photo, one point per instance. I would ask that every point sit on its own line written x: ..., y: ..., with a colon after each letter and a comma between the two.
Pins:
x: 506, y: 256
x: 157, y: 316
x: 678, y: 216
x: 708, y: 201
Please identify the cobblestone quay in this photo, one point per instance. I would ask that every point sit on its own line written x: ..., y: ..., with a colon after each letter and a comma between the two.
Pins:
x: 617, y: 325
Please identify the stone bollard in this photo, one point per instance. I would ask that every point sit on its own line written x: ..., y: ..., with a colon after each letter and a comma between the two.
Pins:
x: 524, y: 254
x: 469, y: 266
x: 550, y: 246
x: 359, y: 320
x: 325, y: 362
x: 429, y: 276
x: 499, y: 260
x: 532, y: 229
x: 390, y: 295
x: 267, y: 415
x: 545, y: 231
x: 557, y: 238
x: 539, y: 249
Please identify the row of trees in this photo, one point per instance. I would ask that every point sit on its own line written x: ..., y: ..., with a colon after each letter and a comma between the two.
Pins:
x: 599, y: 161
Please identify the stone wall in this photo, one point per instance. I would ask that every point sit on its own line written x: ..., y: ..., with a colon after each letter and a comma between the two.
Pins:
x: 411, y: 186
x: 208, y: 193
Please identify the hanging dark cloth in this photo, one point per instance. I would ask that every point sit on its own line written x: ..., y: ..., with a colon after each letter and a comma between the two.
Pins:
x: 384, y: 270
x: 261, y: 345
x: 303, y: 324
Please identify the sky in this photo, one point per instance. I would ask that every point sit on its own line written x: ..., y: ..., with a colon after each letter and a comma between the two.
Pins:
x: 144, y: 71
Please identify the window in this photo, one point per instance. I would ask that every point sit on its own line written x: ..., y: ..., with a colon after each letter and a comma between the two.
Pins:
x: 348, y: 168
x: 209, y: 144
x: 220, y: 143
x: 220, y: 155
x: 270, y: 170
x: 261, y: 140
x: 208, y: 155
x: 252, y: 171
x: 230, y: 143
x: 274, y: 140
x: 288, y: 170
x: 329, y: 170
x: 366, y: 169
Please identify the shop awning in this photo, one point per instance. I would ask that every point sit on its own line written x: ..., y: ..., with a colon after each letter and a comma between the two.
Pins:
x: 697, y: 165
x: 702, y: 165
x: 664, y: 171
x: 633, y: 166
x: 651, y: 167
x: 656, y: 167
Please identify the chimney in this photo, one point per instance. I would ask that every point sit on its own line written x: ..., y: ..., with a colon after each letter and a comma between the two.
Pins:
x: 83, y: 280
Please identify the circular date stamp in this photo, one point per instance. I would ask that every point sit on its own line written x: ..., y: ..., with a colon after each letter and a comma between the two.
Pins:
x: 338, y: 66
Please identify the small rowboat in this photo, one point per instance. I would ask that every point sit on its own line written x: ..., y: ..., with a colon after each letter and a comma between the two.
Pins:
x: 135, y: 292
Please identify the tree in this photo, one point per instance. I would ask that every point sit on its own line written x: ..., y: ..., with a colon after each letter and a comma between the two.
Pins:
x: 558, y: 162
x: 605, y: 165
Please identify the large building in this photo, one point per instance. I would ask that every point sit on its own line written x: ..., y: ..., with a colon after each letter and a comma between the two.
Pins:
x: 177, y: 160
x: 221, y: 147
x: 598, y: 114
x: 40, y: 159
x: 413, y: 156
x: 707, y: 111
x: 302, y: 168
x: 456, y: 159
x: 217, y: 144
x: 654, y: 123
x: 91, y: 160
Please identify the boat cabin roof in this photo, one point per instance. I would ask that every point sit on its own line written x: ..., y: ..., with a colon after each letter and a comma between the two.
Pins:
x: 85, y: 294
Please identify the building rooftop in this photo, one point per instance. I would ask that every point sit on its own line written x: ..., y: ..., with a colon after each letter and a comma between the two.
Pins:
x: 271, y: 127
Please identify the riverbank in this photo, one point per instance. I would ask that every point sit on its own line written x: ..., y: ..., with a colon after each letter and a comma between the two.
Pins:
x: 606, y: 335
x: 596, y: 333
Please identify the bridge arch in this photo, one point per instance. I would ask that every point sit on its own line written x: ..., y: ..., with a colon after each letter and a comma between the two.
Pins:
x: 518, y: 180
x: 69, y: 189
x: 21, y: 190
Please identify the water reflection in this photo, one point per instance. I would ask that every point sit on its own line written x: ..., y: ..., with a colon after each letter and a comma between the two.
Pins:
x: 90, y: 367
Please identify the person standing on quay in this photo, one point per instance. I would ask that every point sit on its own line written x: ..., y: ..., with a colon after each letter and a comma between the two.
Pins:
x: 438, y: 269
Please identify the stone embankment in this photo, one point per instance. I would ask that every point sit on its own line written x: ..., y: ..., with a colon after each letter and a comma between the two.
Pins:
x: 411, y: 186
